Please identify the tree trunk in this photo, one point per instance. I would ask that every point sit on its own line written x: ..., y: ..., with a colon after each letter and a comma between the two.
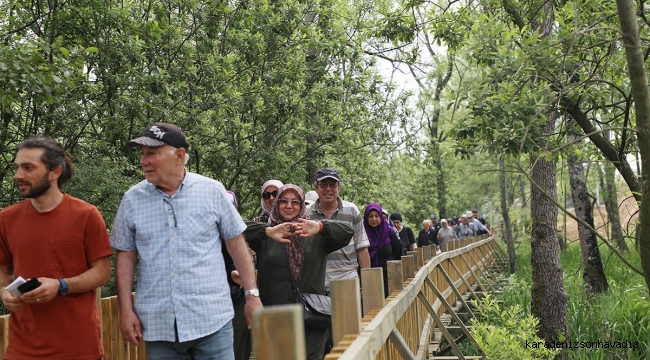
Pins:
x: 440, y: 179
x: 507, y: 233
x: 641, y: 93
x: 548, y: 297
x: 610, y: 197
x: 522, y: 191
x: 593, y: 272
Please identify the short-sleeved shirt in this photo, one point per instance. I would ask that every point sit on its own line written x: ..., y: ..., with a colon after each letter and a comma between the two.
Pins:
x: 181, y: 272
x: 343, y: 263
x: 59, y: 243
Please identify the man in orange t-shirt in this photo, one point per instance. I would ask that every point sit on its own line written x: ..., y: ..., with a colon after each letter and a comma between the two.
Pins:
x: 63, y: 242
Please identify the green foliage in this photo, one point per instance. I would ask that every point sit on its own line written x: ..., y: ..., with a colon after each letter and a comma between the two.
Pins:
x: 507, y: 333
x: 620, y: 315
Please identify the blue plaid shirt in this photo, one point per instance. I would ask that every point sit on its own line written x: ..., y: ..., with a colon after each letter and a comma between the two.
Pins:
x: 181, y: 273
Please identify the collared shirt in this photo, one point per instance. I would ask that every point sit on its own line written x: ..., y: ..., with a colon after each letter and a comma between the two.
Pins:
x: 343, y: 263
x: 477, y: 225
x: 181, y: 272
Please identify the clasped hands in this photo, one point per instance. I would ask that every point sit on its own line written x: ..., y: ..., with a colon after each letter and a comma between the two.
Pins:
x: 303, y: 228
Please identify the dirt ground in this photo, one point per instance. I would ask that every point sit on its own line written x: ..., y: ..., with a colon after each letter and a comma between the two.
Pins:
x: 628, y: 210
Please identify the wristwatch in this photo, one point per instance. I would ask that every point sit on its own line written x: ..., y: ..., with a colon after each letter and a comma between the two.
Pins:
x: 63, y: 289
x: 252, y: 292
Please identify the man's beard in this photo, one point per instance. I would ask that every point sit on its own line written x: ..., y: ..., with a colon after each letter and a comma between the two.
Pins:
x: 39, y: 188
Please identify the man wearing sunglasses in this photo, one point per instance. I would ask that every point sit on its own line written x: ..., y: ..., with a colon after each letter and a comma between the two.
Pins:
x: 343, y: 263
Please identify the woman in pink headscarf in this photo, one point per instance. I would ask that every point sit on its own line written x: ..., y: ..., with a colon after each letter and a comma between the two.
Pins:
x: 269, y: 195
x: 297, y: 256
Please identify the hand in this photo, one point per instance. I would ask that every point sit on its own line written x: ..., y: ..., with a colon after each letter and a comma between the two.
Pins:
x: 12, y: 303
x: 235, y: 277
x: 280, y: 233
x: 253, y: 304
x: 130, y: 327
x: 48, y: 290
x: 308, y: 228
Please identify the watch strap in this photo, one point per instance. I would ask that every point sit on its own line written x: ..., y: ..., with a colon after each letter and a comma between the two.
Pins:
x: 63, y: 288
x: 252, y: 292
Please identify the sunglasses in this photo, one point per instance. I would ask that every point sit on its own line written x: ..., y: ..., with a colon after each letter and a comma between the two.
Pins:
x: 267, y: 194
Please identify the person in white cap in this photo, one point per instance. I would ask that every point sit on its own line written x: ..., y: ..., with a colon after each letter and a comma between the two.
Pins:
x: 310, y: 198
x: 476, y: 225
x: 464, y: 230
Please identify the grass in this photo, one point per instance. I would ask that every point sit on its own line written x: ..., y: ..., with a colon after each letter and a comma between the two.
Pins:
x: 622, y: 314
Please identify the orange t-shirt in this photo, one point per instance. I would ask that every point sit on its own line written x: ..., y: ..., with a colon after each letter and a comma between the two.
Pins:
x: 56, y: 244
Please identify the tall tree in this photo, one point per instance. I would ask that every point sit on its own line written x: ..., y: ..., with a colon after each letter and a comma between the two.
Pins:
x: 507, y: 232
x: 593, y: 273
x: 639, y: 83
x: 607, y: 178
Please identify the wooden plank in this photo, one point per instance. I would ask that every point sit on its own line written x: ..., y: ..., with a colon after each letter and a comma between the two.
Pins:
x: 346, y: 308
x: 421, y: 258
x: 278, y: 333
x: 408, y: 267
x: 373, y: 289
x: 416, y: 260
x: 4, y: 334
x: 107, y: 324
x: 400, y: 344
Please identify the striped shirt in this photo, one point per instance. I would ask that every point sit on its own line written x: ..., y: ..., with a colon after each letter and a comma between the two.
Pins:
x: 343, y: 263
x: 181, y: 272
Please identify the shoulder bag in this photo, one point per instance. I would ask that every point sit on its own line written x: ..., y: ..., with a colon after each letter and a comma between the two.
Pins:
x: 316, y: 308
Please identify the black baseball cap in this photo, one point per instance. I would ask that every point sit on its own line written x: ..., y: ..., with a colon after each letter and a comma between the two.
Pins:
x: 325, y: 173
x: 432, y: 217
x: 160, y: 134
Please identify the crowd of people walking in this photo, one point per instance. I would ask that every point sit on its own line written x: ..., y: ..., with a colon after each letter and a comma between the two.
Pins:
x: 195, y: 256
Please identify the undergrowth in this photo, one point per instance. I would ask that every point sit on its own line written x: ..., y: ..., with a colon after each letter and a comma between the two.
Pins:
x: 611, y: 325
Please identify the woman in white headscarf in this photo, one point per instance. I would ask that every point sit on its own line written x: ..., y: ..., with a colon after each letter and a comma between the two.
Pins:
x: 269, y: 195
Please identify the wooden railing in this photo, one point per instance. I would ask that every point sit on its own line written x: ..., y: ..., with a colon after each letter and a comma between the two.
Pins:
x: 399, y: 326
x: 114, y: 347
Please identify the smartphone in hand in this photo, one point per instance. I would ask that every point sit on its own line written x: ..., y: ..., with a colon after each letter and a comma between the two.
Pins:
x: 30, y: 285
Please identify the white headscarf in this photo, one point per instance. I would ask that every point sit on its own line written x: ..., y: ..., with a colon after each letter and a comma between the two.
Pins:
x: 276, y: 183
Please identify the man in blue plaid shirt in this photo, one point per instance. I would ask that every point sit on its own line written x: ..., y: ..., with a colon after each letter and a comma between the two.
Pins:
x: 171, y: 226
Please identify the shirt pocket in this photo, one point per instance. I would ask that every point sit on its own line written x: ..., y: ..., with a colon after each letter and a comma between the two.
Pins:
x: 201, y: 227
x: 67, y: 254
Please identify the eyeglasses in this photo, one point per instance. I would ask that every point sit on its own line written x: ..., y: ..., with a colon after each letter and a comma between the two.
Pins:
x: 332, y: 185
x: 285, y: 202
x: 267, y: 194
x: 172, y: 214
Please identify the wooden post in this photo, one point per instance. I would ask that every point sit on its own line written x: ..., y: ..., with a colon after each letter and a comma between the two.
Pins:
x: 395, y: 276
x: 278, y: 333
x: 4, y: 334
x: 373, y: 289
x: 421, y: 257
x: 408, y: 267
x: 346, y: 308
x: 416, y: 260
x: 428, y: 254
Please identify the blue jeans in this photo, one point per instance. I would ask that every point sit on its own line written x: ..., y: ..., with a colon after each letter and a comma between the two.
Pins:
x: 216, y: 346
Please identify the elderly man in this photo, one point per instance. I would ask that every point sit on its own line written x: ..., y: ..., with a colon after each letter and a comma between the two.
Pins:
x: 464, y: 229
x: 171, y: 225
x: 476, y: 224
x: 61, y: 241
x: 343, y: 263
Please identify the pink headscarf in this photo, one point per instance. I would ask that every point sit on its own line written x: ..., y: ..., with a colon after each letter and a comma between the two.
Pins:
x: 278, y: 184
x: 294, y: 249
